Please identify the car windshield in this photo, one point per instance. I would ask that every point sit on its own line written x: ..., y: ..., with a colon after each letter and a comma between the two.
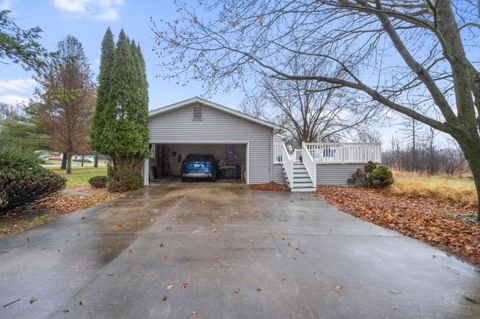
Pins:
x: 199, y: 157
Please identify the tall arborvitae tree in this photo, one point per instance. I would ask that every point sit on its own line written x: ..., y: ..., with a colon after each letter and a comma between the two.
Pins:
x: 123, y: 116
x: 106, y: 62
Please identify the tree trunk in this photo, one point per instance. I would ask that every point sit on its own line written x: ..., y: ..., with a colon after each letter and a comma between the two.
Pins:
x: 64, y: 161
x: 69, y: 163
x: 95, y: 160
x: 476, y: 178
x: 83, y: 159
x: 471, y: 151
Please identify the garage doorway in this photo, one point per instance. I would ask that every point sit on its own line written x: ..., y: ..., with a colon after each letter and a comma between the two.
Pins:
x: 168, y: 159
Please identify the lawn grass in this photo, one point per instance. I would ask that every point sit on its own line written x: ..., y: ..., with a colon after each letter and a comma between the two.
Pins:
x: 456, y: 189
x: 80, y: 175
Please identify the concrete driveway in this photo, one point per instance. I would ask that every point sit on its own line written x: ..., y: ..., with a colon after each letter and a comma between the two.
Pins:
x: 227, y: 252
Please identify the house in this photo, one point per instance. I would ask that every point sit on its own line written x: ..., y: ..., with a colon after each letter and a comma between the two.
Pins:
x: 247, y: 144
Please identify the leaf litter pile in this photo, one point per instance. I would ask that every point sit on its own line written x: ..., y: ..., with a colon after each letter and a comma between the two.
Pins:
x: 443, y: 224
x: 270, y: 187
x: 49, y: 208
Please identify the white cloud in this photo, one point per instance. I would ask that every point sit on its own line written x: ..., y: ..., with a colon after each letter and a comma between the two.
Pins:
x: 13, y: 99
x: 104, y: 10
x: 22, y: 85
x: 6, y: 4
x: 16, y: 91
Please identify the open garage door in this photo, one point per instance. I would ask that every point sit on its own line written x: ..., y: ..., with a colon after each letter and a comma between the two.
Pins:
x: 231, y: 159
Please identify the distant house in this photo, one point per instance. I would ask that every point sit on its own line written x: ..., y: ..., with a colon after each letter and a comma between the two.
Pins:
x: 248, y: 144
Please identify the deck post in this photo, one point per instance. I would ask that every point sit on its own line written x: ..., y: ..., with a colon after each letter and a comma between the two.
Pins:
x: 146, y: 170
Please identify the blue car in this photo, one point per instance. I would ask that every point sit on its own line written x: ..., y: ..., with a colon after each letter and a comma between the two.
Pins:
x: 197, y: 166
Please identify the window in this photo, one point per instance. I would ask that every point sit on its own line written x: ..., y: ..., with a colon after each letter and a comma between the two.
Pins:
x: 198, y: 113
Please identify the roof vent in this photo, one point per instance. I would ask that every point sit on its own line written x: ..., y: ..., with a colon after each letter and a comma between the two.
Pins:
x: 198, y: 113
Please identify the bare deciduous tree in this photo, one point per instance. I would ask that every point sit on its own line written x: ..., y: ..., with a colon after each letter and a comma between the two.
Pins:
x: 312, y: 112
x: 392, y: 51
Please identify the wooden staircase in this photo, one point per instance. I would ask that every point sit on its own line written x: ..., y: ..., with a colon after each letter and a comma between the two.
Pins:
x: 301, y: 180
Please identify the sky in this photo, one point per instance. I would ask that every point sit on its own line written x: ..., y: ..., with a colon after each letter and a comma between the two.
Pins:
x: 87, y: 20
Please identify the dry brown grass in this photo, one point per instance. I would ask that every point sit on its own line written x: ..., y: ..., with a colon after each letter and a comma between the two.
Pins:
x: 454, y: 189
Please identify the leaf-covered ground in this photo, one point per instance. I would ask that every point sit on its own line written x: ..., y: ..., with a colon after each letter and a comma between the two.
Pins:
x: 270, y: 187
x: 50, y: 208
x: 440, y: 223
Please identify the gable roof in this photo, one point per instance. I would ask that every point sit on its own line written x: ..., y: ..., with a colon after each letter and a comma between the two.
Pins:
x: 199, y: 100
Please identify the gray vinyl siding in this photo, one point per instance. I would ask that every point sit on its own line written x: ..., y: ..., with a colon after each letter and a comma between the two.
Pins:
x: 178, y: 126
x: 277, y: 175
x: 336, y: 174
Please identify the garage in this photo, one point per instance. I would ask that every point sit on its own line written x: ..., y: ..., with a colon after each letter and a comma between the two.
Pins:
x: 241, y: 144
x: 231, y: 159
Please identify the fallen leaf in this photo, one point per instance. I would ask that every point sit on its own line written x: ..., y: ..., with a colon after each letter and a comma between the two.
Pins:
x: 119, y: 226
x: 270, y: 187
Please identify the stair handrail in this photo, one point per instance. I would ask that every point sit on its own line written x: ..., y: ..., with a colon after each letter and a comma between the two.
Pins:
x: 310, y: 164
x: 287, y: 165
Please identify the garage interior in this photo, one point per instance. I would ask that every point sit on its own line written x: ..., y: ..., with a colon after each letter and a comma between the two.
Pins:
x: 168, y: 159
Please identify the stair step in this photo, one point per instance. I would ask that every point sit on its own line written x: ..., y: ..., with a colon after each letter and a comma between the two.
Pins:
x: 300, y: 174
x: 301, y: 180
x: 303, y: 190
x: 302, y: 185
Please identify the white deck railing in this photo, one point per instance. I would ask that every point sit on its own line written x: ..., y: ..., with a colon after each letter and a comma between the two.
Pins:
x: 310, y: 164
x: 277, y: 153
x: 288, y: 165
x: 344, y: 152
